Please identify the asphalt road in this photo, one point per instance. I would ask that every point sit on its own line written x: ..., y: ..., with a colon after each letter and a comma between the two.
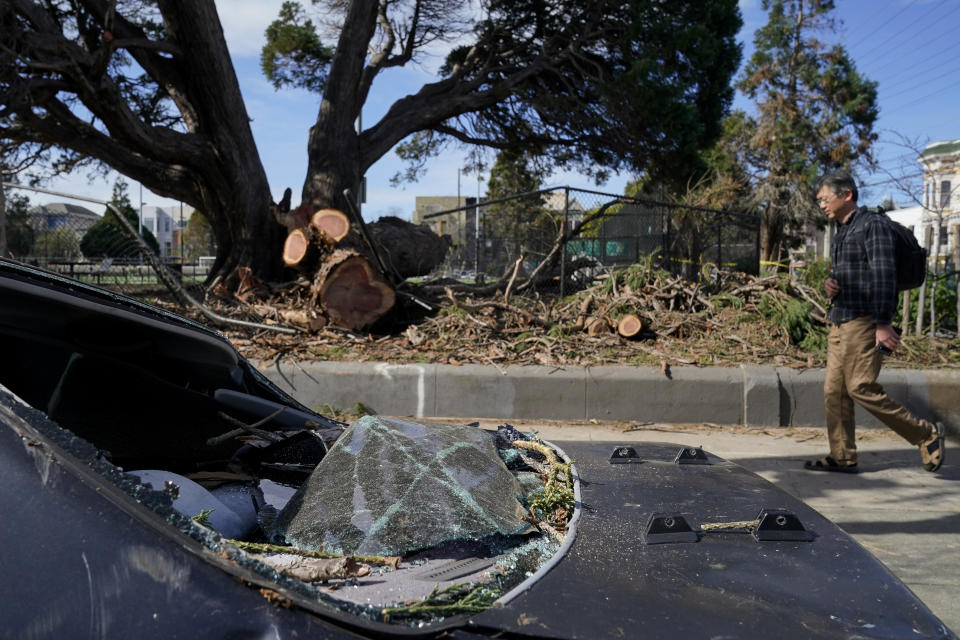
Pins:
x: 906, y: 517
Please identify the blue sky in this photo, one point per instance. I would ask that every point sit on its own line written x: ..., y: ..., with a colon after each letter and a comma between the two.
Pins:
x: 910, y: 47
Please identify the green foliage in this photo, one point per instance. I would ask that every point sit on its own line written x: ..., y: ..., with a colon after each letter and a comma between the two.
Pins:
x: 361, y: 410
x: 723, y: 300
x: 792, y: 315
x: 416, y: 151
x: 545, y: 503
x: 198, y: 237
x: 945, y: 303
x: 815, y: 273
x: 636, y: 276
x: 593, y: 86
x: 20, y: 235
x: 523, y: 224
x: 203, y: 518
x: 458, y: 598
x: 57, y: 243
x: 106, y: 238
x: 294, y: 56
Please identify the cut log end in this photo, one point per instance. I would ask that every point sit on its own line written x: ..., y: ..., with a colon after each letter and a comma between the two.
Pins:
x: 331, y: 225
x: 629, y: 326
x: 297, y: 249
x: 352, y: 293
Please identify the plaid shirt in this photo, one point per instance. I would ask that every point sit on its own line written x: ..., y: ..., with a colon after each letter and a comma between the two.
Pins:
x: 866, y: 269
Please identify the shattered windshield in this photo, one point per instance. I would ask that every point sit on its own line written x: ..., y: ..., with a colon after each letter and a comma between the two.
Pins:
x: 390, y: 486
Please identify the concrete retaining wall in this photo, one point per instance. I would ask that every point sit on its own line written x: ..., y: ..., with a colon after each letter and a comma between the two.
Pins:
x: 749, y: 394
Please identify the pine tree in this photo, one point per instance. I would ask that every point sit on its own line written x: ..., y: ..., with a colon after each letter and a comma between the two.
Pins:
x: 815, y: 112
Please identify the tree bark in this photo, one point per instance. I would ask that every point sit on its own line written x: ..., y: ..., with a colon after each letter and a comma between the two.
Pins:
x: 410, y: 250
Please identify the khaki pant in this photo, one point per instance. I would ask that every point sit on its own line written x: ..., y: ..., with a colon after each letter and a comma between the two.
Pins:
x: 853, y: 365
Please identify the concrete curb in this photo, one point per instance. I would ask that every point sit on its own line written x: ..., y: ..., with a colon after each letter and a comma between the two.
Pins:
x: 748, y: 394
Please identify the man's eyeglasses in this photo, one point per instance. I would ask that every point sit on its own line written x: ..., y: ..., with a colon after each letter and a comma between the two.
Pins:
x: 826, y: 199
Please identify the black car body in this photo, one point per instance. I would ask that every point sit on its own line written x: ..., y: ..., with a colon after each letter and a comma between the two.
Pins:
x: 92, y: 383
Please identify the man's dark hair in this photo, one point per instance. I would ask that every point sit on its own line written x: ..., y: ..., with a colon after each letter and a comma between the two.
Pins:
x: 838, y: 181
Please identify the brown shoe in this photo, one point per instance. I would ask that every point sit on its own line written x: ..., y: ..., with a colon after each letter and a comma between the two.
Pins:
x: 932, y: 449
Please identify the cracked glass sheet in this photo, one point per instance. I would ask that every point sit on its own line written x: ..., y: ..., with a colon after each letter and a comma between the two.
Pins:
x: 390, y: 486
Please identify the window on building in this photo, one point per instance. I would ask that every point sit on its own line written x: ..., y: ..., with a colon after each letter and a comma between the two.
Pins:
x: 166, y: 225
x: 926, y: 195
x: 944, y: 194
x: 944, y: 236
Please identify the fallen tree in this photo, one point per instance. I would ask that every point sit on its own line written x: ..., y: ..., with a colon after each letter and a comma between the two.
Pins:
x: 351, y: 269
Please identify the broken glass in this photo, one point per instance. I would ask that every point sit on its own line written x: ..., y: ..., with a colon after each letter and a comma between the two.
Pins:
x: 390, y: 486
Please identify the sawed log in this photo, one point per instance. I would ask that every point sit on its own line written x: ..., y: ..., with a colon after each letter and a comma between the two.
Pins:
x: 330, y: 225
x: 629, y: 326
x: 350, y: 291
x: 303, y: 245
x: 298, y: 251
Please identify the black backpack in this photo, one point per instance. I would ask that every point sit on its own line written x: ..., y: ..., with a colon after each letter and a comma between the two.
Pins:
x: 911, y: 257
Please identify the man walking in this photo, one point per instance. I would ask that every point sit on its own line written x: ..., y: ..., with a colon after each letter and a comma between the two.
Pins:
x: 863, y: 290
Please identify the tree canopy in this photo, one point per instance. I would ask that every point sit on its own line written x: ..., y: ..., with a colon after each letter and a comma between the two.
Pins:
x: 149, y: 89
x: 815, y: 112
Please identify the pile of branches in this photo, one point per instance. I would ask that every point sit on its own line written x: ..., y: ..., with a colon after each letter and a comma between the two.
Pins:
x: 640, y: 315
x: 731, y: 320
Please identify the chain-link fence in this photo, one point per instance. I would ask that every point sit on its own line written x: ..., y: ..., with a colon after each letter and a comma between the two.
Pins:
x: 78, y: 242
x: 520, y: 231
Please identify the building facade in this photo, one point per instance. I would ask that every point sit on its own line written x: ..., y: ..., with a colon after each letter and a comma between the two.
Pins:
x: 940, y: 219
x: 167, y: 225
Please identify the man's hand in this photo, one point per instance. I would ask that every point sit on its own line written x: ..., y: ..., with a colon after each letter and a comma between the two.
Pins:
x: 887, y: 336
x: 832, y: 287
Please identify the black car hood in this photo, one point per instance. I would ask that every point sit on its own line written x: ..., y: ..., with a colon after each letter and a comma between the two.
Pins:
x: 614, y: 584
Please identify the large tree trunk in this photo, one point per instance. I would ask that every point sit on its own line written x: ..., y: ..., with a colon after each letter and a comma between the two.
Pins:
x: 233, y: 189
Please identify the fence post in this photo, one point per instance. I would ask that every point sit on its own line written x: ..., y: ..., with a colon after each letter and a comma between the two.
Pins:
x: 666, y: 235
x: 720, y: 245
x: 563, y: 246
x: 757, y: 252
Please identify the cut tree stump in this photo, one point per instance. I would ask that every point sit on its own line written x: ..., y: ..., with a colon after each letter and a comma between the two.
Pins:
x: 331, y: 225
x: 629, y: 326
x: 351, y: 292
x: 597, y: 326
x: 298, y: 251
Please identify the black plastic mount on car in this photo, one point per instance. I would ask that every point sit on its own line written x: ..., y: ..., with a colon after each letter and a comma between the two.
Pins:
x: 779, y: 524
x: 691, y: 455
x: 624, y: 455
x: 668, y: 527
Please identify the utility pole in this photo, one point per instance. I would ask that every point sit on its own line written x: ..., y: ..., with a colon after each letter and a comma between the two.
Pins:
x: 181, y: 232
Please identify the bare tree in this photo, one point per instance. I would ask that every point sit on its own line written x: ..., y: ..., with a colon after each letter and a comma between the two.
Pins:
x: 918, y: 186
